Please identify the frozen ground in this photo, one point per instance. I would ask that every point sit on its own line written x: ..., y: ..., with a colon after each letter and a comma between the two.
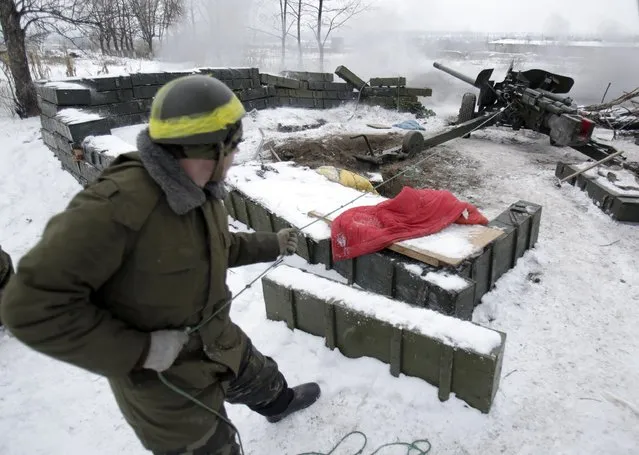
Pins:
x: 571, y: 353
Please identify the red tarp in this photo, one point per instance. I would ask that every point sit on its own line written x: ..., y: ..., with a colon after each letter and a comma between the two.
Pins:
x: 412, y: 213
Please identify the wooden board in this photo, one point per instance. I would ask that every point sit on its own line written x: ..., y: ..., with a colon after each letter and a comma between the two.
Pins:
x: 378, y: 126
x: 479, y: 236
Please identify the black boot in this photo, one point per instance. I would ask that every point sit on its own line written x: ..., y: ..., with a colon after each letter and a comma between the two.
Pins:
x: 304, y: 395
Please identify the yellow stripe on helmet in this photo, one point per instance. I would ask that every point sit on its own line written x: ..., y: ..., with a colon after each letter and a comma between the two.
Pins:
x: 191, y: 125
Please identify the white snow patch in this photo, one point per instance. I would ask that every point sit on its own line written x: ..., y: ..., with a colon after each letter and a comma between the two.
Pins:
x: 375, y: 177
x: 414, y: 268
x: 109, y: 145
x: 557, y: 43
x: 72, y: 116
x: 449, y: 330
x: 292, y: 192
x: 452, y: 242
x: 346, y: 119
x: 129, y: 134
x: 442, y: 279
x: 446, y: 281
x: 625, y: 183
x: 64, y: 85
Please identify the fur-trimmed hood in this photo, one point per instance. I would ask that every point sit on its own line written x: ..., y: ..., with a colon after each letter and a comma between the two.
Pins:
x: 182, y: 194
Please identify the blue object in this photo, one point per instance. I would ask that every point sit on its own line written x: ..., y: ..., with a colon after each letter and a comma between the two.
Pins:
x: 409, y: 125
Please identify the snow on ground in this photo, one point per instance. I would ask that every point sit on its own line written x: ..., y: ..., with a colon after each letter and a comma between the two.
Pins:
x: 261, y: 126
x: 570, y: 369
x: 90, y: 65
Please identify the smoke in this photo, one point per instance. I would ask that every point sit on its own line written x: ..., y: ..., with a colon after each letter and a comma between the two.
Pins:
x: 404, y: 38
x: 211, y: 33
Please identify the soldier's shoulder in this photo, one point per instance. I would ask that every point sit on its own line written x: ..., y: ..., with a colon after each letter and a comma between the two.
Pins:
x: 130, y: 188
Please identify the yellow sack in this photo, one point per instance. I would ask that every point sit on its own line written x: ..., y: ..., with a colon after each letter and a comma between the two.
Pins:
x: 347, y: 178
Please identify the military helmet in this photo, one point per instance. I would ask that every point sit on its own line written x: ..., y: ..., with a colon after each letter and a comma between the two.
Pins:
x: 198, y: 112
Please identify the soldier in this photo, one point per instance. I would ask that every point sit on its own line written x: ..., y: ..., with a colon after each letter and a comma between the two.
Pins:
x: 141, y: 255
x: 6, y: 271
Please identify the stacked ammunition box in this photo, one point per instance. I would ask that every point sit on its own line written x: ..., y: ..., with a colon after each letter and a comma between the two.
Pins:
x: 387, y: 92
x: 399, y: 278
x: 74, y: 109
x: 308, y: 90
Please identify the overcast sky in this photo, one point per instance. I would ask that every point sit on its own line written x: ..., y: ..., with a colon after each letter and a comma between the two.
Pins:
x: 583, y: 16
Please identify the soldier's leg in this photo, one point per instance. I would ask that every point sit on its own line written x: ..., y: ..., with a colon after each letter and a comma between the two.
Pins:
x: 221, y: 441
x: 262, y: 387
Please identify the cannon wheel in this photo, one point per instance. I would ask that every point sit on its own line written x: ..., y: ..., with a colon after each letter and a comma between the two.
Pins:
x: 467, y: 109
x: 412, y: 142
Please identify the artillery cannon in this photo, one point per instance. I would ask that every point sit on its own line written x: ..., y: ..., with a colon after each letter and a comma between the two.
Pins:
x: 534, y: 99
x: 530, y: 99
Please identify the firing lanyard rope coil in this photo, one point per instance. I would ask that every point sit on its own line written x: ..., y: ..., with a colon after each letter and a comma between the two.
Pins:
x: 191, y: 330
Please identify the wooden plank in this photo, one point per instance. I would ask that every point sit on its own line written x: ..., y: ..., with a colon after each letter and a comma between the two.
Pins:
x: 479, y: 236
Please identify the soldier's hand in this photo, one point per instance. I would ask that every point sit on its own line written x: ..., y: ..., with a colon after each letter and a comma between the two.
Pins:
x: 165, y: 347
x: 288, y: 241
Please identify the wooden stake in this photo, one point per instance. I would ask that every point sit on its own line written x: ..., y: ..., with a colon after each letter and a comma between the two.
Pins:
x: 606, y: 159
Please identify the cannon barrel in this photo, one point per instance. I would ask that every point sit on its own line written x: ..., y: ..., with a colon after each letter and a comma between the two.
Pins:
x: 556, y: 97
x: 456, y: 74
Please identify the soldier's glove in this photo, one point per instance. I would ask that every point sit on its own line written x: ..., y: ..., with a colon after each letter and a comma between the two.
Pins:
x: 288, y: 241
x: 164, y: 349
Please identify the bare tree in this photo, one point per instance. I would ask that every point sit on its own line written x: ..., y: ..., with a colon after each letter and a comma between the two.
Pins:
x: 330, y: 15
x: 115, y: 30
x: 284, y: 27
x: 172, y: 11
x: 297, y: 11
x: 154, y: 17
x: 16, y: 18
x: 147, y: 13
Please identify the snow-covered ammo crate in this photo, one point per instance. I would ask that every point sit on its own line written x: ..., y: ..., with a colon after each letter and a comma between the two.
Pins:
x: 616, y: 193
x: 456, y: 356
x: 434, y: 282
x: 448, y: 272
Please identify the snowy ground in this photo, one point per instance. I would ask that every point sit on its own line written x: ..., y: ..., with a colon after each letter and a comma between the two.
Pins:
x: 571, y: 353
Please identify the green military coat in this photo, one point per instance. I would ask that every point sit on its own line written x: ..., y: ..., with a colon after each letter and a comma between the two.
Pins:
x: 117, y: 264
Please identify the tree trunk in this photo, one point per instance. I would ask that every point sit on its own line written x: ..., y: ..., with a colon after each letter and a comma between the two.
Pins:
x: 321, y: 57
x: 107, y: 43
x: 149, y: 42
x: 283, y: 39
x: 299, y: 33
x: 101, y: 38
x: 114, y: 37
x: 14, y: 37
x: 320, y: 42
x: 284, y: 25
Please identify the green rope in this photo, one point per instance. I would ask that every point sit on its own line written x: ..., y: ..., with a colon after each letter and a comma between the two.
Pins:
x: 181, y: 392
x: 412, y: 446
